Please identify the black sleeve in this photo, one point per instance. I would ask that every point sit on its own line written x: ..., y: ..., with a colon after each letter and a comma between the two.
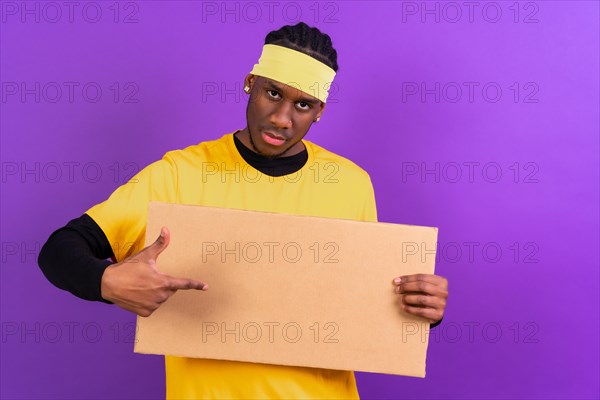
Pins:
x: 75, y: 257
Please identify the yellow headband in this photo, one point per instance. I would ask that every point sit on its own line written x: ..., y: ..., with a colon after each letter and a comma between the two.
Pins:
x: 295, y: 69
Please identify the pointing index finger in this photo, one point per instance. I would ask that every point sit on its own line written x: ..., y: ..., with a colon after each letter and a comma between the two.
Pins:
x: 185, y: 284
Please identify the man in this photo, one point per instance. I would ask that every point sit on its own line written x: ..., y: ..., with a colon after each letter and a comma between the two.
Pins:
x: 281, y: 173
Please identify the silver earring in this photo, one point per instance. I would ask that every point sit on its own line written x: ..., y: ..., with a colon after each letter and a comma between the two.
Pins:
x: 317, y: 119
x: 246, y: 89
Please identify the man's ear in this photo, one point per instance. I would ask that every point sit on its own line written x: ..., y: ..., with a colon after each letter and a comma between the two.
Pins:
x: 321, y: 110
x: 250, y: 80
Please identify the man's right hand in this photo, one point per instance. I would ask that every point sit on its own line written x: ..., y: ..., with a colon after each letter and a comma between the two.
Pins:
x: 136, y: 285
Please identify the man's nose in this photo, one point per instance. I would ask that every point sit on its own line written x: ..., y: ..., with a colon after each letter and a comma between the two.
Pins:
x: 282, y: 116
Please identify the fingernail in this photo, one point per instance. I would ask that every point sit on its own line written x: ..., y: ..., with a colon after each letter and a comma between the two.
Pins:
x: 205, y: 287
x: 397, y: 280
x: 162, y: 232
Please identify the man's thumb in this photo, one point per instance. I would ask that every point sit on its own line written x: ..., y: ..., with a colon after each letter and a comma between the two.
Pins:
x: 160, y: 244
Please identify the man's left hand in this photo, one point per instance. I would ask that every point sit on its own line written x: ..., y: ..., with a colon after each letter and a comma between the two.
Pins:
x: 423, y: 295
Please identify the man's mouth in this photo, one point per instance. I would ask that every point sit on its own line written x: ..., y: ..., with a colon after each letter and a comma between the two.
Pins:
x: 273, y: 139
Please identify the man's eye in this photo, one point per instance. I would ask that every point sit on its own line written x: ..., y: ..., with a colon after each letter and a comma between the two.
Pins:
x: 305, y: 104
x: 272, y: 91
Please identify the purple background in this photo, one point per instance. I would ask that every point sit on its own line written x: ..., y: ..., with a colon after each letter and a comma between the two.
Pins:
x: 524, y: 324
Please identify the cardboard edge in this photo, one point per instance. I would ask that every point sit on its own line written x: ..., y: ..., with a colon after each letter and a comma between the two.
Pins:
x: 388, y: 372
x: 155, y: 203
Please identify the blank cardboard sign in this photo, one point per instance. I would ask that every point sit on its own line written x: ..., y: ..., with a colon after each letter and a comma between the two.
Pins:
x: 287, y: 289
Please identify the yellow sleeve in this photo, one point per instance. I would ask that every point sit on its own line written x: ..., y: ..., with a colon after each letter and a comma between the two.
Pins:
x: 369, y: 212
x: 123, y: 216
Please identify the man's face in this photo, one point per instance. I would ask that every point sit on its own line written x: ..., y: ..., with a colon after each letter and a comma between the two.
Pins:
x: 279, y: 116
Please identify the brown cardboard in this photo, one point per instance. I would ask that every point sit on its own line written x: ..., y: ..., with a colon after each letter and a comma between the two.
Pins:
x: 284, y: 294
